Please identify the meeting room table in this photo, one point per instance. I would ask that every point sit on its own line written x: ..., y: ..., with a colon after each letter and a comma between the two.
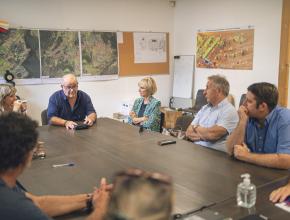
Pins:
x: 202, y: 177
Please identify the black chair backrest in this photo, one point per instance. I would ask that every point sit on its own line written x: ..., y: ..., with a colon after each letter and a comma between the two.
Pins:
x: 44, y: 119
x: 243, y: 98
x: 200, y: 100
x: 162, y: 116
x: 183, y: 122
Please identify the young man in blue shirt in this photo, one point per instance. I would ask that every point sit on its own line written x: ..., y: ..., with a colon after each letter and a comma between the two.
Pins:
x: 69, y: 105
x: 262, y: 135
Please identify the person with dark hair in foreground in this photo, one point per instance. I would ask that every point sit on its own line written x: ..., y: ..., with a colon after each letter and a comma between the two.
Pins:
x: 262, y: 134
x: 18, y: 138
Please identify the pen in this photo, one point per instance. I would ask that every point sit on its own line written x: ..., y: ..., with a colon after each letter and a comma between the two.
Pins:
x: 63, y: 165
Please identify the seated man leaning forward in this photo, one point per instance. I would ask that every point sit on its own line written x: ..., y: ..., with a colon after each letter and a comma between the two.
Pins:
x: 262, y: 135
x: 69, y: 105
x: 217, y: 119
x: 18, y: 139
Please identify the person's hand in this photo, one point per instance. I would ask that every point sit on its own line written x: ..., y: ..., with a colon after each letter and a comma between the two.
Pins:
x: 145, y: 118
x: 89, y: 121
x: 132, y: 114
x: 136, y: 120
x: 101, y: 198
x: 191, y: 134
x: 17, y: 106
x: 70, y: 124
x: 243, y: 113
x: 241, y: 151
x: 280, y: 194
x: 23, y: 106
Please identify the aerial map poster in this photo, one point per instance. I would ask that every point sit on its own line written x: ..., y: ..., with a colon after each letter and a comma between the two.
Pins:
x: 60, y: 53
x: 19, y: 53
x: 225, y: 49
x: 99, y: 53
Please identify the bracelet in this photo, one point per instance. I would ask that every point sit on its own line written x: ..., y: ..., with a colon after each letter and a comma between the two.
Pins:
x: 89, y: 204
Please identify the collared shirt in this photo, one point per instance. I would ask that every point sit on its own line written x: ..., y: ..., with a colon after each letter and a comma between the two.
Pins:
x: 273, y: 136
x: 59, y: 106
x: 224, y: 114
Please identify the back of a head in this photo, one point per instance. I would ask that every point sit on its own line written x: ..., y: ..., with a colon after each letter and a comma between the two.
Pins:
x: 265, y: 92
x: 18, y: 136
x: 140, y: 198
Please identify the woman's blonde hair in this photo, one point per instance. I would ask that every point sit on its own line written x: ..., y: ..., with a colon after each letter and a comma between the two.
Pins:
x: 5, y: 90
x: 149, y: 84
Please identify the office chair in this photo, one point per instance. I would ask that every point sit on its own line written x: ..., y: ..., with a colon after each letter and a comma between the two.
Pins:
x: 243, y: 98
x: 200, y: 101
x: 162, y: 116
x: 44, y: 119
x: 183, y: 122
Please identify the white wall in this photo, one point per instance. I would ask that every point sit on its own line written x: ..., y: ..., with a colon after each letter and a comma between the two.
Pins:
x: 264, y: 15
x: 182, y: 22
x: 112, y: 15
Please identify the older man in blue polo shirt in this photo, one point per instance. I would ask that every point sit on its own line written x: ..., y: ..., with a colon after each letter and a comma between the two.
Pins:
x: 262, y: 136
x: 69, y: 105
x: 216, y: 120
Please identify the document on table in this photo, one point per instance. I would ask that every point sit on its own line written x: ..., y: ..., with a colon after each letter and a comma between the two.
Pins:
x: 284, y: 205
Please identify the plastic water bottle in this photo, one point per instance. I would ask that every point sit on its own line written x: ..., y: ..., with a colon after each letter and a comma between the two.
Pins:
x: 246, y: 192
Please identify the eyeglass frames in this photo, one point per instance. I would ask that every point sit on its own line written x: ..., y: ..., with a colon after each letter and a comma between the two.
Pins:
x: 71, y: 87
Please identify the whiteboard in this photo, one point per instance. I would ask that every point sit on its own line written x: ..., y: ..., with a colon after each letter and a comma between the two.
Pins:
x: 183, y: 76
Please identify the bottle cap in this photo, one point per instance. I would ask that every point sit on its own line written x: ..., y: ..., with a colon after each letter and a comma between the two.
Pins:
x: 247, y: 179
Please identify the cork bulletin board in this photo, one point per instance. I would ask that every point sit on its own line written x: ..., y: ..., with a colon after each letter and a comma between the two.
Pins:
x: 127, y: 66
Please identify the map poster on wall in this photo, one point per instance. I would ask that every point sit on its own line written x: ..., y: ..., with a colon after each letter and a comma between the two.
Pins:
x: 225, y: 49
x: 19, y: 53
x: 60, y: 53
x: 149, y: 47
x: 99, y: 53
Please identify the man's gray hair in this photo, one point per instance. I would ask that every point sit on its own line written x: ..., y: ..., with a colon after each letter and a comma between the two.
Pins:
x: 221, y: 83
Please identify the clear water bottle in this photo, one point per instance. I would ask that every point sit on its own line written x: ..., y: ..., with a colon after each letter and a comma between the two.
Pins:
x: 246, y: 192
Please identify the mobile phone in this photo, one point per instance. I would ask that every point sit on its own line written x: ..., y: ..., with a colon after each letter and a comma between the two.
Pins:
x: 166, y: 142
x: 81, y: 126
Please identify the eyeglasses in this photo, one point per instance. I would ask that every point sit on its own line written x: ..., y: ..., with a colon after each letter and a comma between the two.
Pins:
x: 137, y: 173
x: 71, y: 87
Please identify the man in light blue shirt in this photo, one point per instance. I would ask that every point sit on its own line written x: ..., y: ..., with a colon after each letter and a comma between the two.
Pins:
x: 262, y: 136
x: 216, y: 120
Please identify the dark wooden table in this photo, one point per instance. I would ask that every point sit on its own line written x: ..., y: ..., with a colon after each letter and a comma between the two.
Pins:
x: 201, y: 176
x: 264, y: 207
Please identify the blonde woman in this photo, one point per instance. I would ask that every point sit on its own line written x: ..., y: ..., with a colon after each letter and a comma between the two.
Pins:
x: 8, y: 100
x: 145, y: 111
